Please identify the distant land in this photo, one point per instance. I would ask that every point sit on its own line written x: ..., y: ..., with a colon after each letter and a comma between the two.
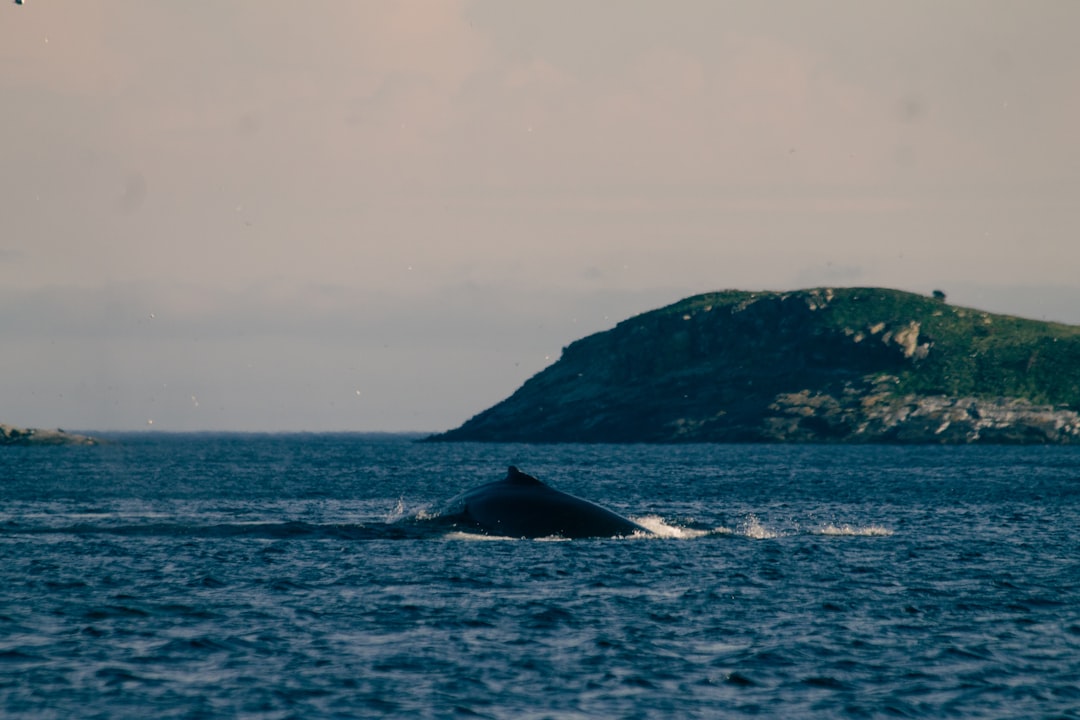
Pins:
x: 825, y: 365
x: 11, y: 435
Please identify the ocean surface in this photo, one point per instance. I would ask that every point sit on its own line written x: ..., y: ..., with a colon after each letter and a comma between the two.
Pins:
x: 301, y: 576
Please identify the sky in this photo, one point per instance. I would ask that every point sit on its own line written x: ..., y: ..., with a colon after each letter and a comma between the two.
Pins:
x: 261, y: 215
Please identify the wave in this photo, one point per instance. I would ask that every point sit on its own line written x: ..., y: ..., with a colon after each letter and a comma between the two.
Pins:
x: 258, y: 530
x: 420, y: 525
x: 753, y: 528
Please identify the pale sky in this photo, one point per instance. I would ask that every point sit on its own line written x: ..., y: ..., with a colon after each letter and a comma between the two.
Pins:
x: 347, y: 215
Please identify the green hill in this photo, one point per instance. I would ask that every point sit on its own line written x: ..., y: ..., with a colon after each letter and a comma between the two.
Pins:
x: 821, y: 365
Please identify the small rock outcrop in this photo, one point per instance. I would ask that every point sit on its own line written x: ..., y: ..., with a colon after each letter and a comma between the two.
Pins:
x: 11, y: 435
x: 852, y: 365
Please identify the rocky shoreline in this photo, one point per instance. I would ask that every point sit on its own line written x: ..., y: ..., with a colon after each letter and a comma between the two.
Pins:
x: 854, y: 417
x: 11, y: 435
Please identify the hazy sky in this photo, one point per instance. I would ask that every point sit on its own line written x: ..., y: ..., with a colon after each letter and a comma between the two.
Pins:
x: 348, y: 215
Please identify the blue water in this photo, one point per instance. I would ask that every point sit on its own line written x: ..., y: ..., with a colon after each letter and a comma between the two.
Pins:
x: 289, y: 577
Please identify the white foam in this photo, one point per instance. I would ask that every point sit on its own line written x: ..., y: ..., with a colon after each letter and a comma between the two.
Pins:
x: 397, y: 513
x: 660, y: 528
x: 753, y: 528
x: 476, y: 537
x: 852, y: 530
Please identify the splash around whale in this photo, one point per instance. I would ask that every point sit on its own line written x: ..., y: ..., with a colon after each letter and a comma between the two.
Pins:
x: 521, y: 506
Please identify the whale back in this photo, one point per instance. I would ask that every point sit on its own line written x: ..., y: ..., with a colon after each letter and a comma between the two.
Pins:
x: 520, y: 505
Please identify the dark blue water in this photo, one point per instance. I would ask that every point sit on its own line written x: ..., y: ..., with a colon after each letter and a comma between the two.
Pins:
x: 286, y: 576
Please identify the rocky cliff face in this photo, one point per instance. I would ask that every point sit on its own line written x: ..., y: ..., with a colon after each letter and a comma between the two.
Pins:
x: 853, y: 416
x: 823, y: 365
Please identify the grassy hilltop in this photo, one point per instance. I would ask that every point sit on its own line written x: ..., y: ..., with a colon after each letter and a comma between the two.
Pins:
x: 820, y: 365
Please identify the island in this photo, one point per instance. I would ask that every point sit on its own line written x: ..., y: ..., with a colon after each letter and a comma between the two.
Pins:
x: 823, y: 365
x: 11, y: 435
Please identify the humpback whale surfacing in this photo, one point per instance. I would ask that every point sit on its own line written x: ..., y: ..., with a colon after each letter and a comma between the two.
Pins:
x: 519, y: 505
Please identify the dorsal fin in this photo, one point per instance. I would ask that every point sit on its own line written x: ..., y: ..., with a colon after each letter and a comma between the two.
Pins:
x: 517, y: 477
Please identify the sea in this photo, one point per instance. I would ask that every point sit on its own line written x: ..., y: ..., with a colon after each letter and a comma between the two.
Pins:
x: 301, y: 576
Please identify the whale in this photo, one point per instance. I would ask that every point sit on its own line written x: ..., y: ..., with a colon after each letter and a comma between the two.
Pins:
x: 521, y: 506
